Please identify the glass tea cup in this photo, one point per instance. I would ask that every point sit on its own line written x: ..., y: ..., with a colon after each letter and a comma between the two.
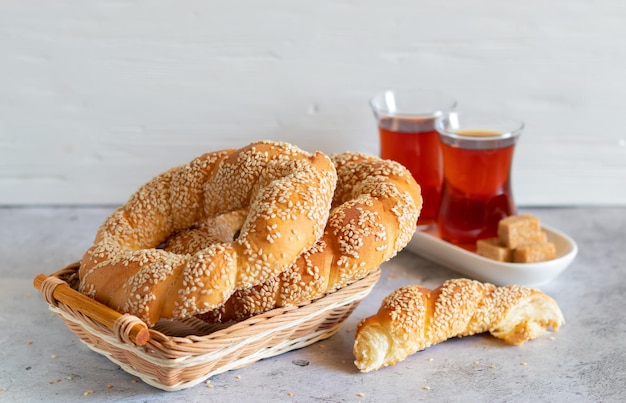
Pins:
x: 406, y: 124
x: 477, y: 152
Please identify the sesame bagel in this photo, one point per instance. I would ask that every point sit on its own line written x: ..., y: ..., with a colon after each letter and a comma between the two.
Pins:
x: 375, y: 208
x: 287, y: 192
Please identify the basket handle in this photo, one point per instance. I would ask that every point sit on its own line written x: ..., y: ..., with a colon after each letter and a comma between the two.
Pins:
x: 138, y: 333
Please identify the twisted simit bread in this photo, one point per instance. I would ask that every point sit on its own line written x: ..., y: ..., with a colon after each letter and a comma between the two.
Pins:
x: 288, y: 193
x: 413, y: 318
x: 375, y: 208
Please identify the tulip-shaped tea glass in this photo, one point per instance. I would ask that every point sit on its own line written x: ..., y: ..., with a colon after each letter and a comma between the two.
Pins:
x: 406, y: 123
x: 477, y: 157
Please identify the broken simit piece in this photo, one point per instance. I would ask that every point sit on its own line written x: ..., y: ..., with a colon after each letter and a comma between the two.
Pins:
x: 413, y: 318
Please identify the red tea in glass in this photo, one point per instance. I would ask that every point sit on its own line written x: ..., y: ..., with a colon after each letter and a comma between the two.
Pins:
x: 416, y: 147
x: 476, y: 192
x: 406, y: 123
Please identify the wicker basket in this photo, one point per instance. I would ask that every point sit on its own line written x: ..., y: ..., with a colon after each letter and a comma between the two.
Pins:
x: 181, y: 354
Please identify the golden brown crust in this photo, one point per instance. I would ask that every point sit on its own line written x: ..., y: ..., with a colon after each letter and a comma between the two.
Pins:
x: 287, y: 190
x: 376, y: 205
x: 413, y: 318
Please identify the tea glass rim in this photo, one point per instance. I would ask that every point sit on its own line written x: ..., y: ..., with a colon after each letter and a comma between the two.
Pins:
x: 496, y: 122
x: 516, y: 126
x: 381, y: 109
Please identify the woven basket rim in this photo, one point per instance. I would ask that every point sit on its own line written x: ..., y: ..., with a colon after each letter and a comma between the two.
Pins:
x: 187, y: 345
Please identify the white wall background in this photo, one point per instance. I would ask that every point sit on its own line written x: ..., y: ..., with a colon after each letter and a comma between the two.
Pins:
x: 97, y: 97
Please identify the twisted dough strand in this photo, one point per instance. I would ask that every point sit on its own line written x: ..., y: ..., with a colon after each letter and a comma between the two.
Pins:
x: 413, y: 318
x: 288, y: 193
x: 375, y: 208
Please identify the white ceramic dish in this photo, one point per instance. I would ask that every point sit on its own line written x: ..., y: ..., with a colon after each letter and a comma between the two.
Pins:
x: 430, y: 246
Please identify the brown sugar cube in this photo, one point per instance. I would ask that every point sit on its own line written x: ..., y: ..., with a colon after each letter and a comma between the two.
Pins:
x: 536, y: 252
x: 517, y: 230
x: 492, y: 248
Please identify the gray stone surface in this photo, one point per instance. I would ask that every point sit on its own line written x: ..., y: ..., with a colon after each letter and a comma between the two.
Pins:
x: 41, y: 360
